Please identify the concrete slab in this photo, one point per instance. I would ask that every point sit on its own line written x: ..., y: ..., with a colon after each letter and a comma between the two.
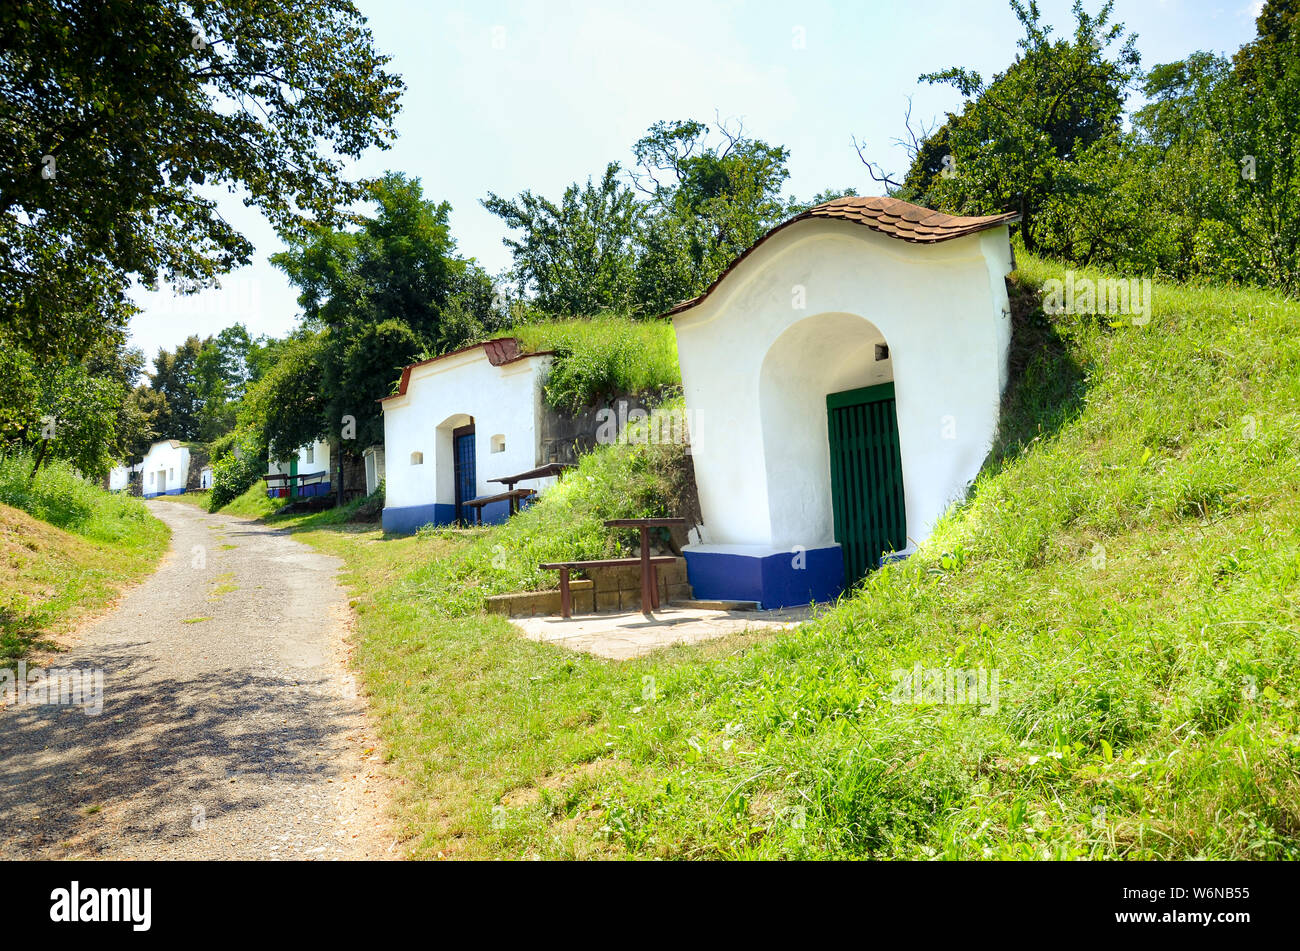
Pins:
x: 627, y: 635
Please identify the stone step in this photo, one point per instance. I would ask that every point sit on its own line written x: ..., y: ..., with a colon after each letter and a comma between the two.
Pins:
x: 717, y: 605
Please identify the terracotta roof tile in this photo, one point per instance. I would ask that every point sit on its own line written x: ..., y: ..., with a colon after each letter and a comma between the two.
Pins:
x: 499, y: 351
x: 889, y: 216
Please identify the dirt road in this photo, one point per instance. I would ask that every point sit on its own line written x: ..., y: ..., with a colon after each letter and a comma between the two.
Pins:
x: 229, y: 729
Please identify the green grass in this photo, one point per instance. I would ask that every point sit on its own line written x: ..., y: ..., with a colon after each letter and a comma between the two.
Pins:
x: 67, y: 548
x: 1128, y: 564
x: 600, y: 357
x: 253, y: 503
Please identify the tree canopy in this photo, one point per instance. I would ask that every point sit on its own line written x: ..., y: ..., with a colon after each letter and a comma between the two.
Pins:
x: 123, y: 116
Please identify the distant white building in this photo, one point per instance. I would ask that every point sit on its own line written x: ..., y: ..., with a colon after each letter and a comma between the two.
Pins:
x: 846, y: 373
x: 165, y: 469
x: 119, y: 477
x: 205, y: 477
x: 457, y: 422
x: 309, y: 468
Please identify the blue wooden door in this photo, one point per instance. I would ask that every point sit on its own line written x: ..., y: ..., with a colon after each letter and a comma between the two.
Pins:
x: 466, y: 478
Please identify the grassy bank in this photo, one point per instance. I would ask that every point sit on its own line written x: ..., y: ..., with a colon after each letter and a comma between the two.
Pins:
x: 1127, y: 567
x: 253, y: 503
x: 601, y: 356
x: 67, y: 547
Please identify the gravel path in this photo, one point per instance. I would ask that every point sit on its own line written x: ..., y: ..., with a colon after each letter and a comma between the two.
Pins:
x: 239, y: 736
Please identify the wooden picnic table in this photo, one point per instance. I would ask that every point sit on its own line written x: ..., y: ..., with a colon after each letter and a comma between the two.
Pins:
x: 564, y: 567
x: 514, y: 496
x: 541, y: 472
x: 649, y: 590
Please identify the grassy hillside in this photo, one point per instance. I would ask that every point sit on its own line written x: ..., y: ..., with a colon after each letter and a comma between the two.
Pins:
x: 67, y: 547
x: 253, y: 503
x: 1127, y: 567
x: 600, y: 356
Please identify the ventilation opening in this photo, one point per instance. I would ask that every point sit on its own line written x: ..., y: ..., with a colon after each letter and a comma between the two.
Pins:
x: 498, y: 443
x: 417, y: 458
x: 882, y: 351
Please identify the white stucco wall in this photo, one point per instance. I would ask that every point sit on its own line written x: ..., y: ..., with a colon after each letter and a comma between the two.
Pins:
x: 756, y: 370
x: 504, y: 401
x: 119, y: 477
x: 164, y: 457
x: 313, y: 458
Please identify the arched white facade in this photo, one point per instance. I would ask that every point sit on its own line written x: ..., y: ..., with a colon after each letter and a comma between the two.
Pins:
x: 491, y: 387
x: 823, y: 306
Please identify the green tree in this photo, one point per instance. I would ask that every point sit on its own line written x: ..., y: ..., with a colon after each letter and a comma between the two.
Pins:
x: 175, y: 379
x: 118, y: 113
x: 375, y: 298
x: 712, y: 192
x: 1015, y: 139
x: 221, y: 374
x: 576, y: 257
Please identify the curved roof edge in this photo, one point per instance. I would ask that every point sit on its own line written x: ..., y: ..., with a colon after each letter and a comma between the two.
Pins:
x: 500, y: 351
x: 891, y: 217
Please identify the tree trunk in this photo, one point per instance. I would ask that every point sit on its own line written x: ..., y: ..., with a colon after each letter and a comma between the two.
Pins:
x: 40, y: 458
x: 338, y: 489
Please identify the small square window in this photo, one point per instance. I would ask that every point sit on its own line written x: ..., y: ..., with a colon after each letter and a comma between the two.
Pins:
x: 417, y: 458
x: 882, y: 351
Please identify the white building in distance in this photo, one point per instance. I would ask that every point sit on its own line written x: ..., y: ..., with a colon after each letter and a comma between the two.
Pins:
x: 165, y: 469
x: 457, y: 422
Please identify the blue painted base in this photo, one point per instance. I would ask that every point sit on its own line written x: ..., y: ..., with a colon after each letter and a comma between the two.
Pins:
x: 304, y: 492
x: 154, y: 495
x: 774, y: 579
x: 409, y: 518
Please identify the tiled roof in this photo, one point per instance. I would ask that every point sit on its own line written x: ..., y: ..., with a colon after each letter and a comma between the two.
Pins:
x: 499, y: 351
x: 897, y: 219
x: 905, y: 221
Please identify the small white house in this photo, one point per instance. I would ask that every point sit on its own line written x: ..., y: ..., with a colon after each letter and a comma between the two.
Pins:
x: 119, y: 477
x: 456, y: 422
x: 205, y: 477
x: 843, y: 377
x: 310, y: 468
x: 165, y: 469
x: 373, y: 458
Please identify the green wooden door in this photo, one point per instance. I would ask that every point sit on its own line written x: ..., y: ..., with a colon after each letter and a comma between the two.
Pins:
x: 866, y: 477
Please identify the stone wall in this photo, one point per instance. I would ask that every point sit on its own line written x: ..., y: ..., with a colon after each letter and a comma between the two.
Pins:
x: 608, y: 590
x: 565, y: 434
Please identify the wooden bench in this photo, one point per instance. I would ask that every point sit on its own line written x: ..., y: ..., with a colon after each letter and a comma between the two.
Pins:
x: 649, y: 577
x: 564, y: 567
x: 514, y: 497
x: 541, y: 472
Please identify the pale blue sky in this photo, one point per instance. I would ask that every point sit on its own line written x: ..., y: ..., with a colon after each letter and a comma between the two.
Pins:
x: 503, y: 96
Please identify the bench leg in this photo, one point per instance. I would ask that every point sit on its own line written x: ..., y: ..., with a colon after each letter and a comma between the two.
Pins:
x: 647, y: 584
x: 654, y: 586
x: 566, y: 606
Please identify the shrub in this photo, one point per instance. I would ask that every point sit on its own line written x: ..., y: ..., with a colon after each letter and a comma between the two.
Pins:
x: 232, y: 476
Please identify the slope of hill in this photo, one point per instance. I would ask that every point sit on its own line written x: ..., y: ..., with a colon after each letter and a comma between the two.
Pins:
x: 67, y: 555
x: 1094, y: 656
